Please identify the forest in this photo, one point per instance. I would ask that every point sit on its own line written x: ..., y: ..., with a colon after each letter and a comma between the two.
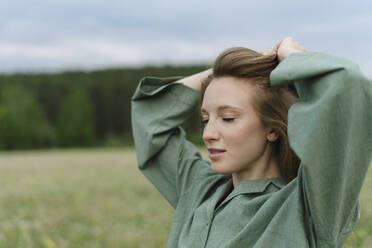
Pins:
x: 76, y: 108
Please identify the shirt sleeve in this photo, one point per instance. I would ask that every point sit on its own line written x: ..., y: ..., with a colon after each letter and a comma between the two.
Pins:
x: 158, y: 107
x: 330, y: 131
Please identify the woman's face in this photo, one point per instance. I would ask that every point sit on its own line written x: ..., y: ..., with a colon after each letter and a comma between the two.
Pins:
x: 231, y: 124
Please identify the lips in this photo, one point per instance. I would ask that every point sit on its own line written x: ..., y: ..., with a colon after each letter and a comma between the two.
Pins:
x: 215, y: 153
x: 215, y: 150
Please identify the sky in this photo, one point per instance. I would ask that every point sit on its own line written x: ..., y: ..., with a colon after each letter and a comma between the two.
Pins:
x: 56, y: 35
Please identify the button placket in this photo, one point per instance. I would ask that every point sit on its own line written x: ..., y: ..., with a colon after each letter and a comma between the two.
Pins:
x: 208, y: 225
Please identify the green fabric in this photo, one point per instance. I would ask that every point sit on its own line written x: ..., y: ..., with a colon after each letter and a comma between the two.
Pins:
x: 329, y: 129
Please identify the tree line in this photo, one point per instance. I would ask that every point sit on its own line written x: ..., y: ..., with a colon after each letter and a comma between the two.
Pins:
x: 76, y: 108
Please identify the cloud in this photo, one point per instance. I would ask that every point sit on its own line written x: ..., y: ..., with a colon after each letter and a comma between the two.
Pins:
x: 39, y: 34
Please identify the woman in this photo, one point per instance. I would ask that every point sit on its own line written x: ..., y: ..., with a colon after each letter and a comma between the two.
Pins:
x: 268, y: 184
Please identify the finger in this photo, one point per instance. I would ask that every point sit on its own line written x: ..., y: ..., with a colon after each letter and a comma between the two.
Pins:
x: 276, y: 48
x: 277, y: 45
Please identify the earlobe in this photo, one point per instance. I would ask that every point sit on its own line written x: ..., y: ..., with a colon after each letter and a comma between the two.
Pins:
x: 272, y: 136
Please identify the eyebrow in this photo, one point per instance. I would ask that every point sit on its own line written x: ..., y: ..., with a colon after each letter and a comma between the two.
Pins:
x: 221, y: 108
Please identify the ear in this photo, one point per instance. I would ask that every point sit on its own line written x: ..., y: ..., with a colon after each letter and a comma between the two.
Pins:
x: 272, y: 136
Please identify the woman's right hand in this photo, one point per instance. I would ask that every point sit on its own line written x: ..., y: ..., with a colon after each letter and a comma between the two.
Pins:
x: 286, y: 47
x: 195, y: 81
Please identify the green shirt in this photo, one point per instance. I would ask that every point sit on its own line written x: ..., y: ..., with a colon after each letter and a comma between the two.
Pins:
x: 329, y: 129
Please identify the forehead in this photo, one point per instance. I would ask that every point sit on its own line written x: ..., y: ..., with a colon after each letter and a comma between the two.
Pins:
x: 223, y: 92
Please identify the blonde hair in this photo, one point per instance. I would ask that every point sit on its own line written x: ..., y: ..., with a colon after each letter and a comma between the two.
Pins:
x: 270, y: 103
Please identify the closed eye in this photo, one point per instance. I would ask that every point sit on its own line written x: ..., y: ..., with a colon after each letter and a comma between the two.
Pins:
x: 204, y: 122
x: 228, y: 119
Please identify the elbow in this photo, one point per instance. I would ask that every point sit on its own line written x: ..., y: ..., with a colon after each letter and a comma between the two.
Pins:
x: 353, y: 73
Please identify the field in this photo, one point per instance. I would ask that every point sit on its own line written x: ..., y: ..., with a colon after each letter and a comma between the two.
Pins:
x: 96, y: 198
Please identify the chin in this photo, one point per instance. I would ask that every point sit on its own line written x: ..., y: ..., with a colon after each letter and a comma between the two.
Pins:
x: 218, y: 170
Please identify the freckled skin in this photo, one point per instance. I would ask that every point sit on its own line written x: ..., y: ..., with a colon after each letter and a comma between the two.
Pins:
x: 248, y: 149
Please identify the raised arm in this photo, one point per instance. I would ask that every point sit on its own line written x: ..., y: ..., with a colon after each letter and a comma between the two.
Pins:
x: 194, y: 81
x: 330, y: 131
x: 159, y: 106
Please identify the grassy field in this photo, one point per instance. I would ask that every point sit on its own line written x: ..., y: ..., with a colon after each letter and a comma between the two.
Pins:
x: 95, y: 198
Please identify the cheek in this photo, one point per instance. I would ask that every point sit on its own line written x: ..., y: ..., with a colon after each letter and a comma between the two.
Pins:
x: 241, y: 134
x: 247, y: 139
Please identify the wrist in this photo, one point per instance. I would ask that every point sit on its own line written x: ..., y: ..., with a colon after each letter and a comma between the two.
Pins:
x: 292, y: 51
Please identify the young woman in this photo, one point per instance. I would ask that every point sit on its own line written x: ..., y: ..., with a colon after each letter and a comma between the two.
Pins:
x: 289, y: 138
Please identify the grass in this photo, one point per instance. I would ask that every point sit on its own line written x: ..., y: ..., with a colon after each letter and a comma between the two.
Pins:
x: 95, y: 198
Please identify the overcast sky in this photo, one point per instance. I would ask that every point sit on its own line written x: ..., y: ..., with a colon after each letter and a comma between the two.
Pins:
x: 52, y: 35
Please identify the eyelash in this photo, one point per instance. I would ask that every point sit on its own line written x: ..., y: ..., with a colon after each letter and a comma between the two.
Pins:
x: 203, y: 122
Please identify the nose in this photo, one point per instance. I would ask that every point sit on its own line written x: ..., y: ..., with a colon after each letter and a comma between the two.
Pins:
x: 210, y: 132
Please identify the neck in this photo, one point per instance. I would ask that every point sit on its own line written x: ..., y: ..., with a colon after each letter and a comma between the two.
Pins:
x: 266, y: 166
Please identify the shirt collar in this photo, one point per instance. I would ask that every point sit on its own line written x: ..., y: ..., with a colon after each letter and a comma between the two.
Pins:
x: 257, y: 185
